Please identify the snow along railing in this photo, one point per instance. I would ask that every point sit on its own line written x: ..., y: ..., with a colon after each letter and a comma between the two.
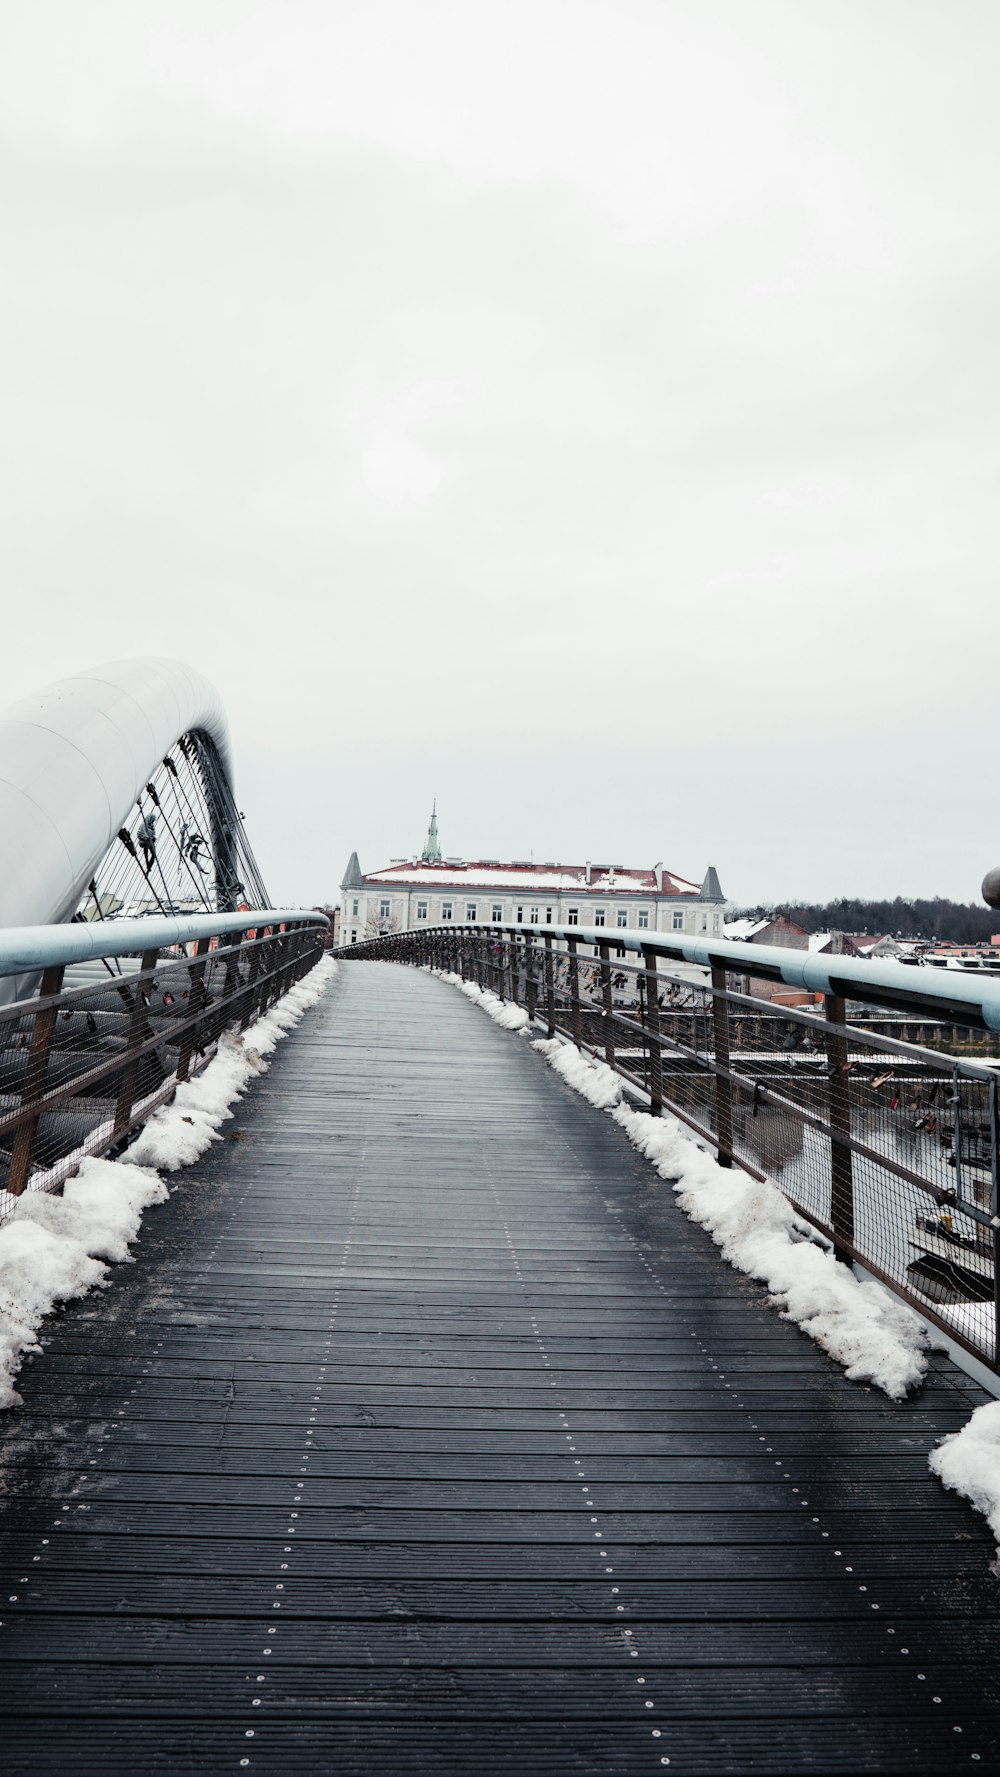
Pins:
x: 82, y: 1065
x: 888, y: 1147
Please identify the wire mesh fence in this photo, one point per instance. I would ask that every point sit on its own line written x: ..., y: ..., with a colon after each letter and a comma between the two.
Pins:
x: 82, y: 1065
x: 888, y: 1148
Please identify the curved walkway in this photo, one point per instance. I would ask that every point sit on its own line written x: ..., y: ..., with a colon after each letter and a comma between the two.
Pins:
x: 426, y: 1435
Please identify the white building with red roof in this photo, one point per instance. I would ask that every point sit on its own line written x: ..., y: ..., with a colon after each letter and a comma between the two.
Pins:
x: 434, y: 890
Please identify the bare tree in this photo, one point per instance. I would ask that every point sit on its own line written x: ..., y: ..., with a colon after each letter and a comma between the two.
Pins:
x: 379, y: 925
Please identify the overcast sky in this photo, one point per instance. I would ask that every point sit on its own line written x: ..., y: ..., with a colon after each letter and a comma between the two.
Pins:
x: 586, y: 412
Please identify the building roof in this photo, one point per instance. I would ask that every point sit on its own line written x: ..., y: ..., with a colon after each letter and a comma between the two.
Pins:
x: 352, y: 875
x: 741, y: 931
x: 605, y: 879
x: 711, y: 888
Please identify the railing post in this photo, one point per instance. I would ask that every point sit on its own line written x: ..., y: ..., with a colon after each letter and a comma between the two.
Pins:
x: 653, y: 1032
x: 34, y: 1083
x: 286, y: 967
x: 138, y: 1026
x: 250, y: 1002
x: 995, y: 1215
x: 196, y: 1003
x: 723, y: 1084
x: 550, y: 985
x: 841, y: 1157
x: 481, y: 963
x: 530, y: 994
x: 265, y: 986
x: 608, y: 1004
x: 262, y: 991
x: 574, y: 990
x: 278, y: 960
x: 231, y: 962
x: 308, y: 943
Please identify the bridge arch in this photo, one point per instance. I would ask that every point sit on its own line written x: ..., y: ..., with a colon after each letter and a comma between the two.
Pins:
x: 78, y: 785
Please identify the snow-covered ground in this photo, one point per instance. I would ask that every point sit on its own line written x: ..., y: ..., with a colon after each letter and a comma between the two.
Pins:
x: 55, y: 1247
x: 509, y: 1017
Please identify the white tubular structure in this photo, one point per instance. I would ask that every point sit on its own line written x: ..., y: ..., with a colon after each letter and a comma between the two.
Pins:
x: 27, y: 949
x: 73, y: 759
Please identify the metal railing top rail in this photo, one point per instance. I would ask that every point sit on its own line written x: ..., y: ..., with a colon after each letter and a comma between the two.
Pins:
x: 24, y: 949
x: 970, y: 999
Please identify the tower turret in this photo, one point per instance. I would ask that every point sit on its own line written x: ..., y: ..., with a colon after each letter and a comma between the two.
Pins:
x: 431, y: 853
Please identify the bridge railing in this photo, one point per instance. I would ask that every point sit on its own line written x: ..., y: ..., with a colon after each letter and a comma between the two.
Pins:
x: 111, y: 1016
x: 782, y: 1062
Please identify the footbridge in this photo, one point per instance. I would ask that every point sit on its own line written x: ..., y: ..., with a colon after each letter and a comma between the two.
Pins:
x: 425, y: 1432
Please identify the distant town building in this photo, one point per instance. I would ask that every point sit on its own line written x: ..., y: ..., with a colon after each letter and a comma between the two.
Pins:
x: 333, y: 932
x: 780, y: 931
x: 789, y: 936
x: 435, y: 890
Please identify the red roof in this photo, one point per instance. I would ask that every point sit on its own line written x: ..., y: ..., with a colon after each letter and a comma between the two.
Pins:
x: 605, y: 879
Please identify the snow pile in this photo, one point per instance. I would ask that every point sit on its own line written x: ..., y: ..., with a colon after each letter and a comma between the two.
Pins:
x: 593, y: 1078
x: 53, y: 1248
x: 969, y: 1462
x: 501, y: 1011
x: 179, y: 1132
x: 857, y: 1322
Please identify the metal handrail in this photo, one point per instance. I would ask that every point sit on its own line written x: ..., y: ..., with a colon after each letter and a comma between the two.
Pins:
x: 24, y: 949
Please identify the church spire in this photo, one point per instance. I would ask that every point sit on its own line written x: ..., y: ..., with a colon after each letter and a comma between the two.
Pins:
x: 431, y: 853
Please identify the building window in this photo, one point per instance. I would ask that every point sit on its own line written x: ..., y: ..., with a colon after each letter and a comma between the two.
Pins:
x: 520, y: 916
x: 598, y: 916
x: 678, y: 921
x: 470, y: 912
x: 445, y: 909
x: 355, y: 906
x: 643, y: 920
x: 497, y: 914
x: 572, y: 916
x: 621, y: 954
x: 354, y: 937
x: 715, y: 922
x: 621, y: 917
x: 384, y: 909
x: 421, y: 909
x: 548, y: 916
x: 534, y: 916
x: 704, y: 922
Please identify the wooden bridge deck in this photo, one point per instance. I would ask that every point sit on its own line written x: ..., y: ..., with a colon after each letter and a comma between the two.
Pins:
x: 426, y: 1435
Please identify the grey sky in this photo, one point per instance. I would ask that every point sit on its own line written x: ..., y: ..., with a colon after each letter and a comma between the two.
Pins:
x: 584, y: 411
